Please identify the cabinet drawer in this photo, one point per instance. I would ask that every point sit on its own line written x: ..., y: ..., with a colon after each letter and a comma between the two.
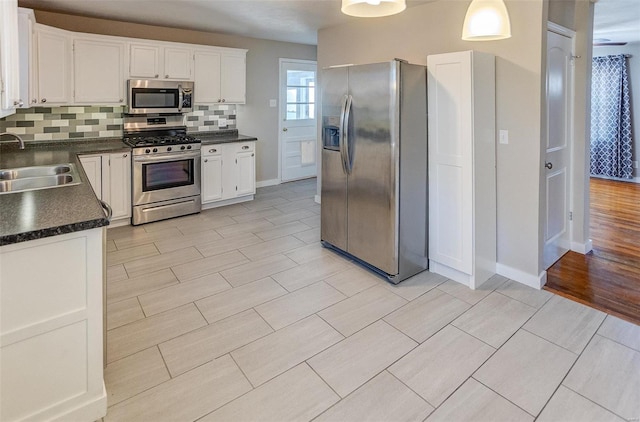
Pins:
x: 208, y: 150
x: 245, y: 147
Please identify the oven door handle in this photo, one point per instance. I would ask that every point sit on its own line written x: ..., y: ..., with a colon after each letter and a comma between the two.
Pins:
x: 166, y: 157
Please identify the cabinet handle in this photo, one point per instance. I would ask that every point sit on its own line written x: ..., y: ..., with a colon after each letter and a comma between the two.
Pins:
x: 124, y: 155
x: 156, y: 75
x: 44, y: 100
x: 206, y: 160
x: 213, y: 150
x: 245, y: 147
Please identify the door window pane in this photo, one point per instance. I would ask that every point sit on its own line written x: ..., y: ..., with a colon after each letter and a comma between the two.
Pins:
x: 301, y: 94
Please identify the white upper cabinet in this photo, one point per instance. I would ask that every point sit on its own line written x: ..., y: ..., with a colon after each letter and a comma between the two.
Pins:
x: 54, y: 65
x: 9, y: 58
x: 28, y: 74
x: 233, y: 72
x: 206, y: 77
x: 99, y: 71
x: 220, y: 76
x: 148, y: 61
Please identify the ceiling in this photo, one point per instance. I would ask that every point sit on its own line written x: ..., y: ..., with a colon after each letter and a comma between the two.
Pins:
x: 617, y: 20
x: 287, y: 20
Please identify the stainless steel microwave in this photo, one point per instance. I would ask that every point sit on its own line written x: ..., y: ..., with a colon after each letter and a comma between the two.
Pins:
x: 147, y: 96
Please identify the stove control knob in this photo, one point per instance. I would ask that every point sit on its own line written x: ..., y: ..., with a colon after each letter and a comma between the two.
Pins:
x: 188, y: 146
x: 155, y: 150
x: 182, y: 147
x: 168, y: 149
x: 147, y: 150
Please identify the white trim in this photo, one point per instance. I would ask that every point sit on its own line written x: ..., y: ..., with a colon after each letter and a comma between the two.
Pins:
x: 271, y: 182
x: 560, y: 30
x: 317, y: 199
x: 583, y: 248
x: 531, y: 280
x: 231, y: 201
x: 119, y: 223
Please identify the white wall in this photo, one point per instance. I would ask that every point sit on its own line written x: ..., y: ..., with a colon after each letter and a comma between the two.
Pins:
x: 255, y: 117
x: 634, y: 85
x: 436, y: 28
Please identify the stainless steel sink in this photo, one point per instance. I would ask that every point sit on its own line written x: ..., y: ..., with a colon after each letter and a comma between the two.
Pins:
x: 38, y: 177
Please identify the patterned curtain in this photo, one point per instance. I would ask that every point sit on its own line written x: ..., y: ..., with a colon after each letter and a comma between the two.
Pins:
x: 611, y: 140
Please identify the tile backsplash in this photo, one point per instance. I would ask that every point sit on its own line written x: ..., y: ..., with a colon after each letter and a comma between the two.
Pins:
x: 45, y: 124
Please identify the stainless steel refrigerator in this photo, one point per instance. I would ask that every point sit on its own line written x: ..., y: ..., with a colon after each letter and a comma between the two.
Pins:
x: 374, y: 166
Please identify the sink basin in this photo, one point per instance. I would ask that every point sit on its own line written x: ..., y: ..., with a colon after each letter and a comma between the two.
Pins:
x: 38, y: 177
x: 36, y: 171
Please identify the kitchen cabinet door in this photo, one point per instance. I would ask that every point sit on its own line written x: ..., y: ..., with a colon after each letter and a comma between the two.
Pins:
x: 144, y: 61
x: 99, y: 72
x: 92, y: 165
x: 211, y: 178
x: 206, y: 76
x: 28, y: 73
x: 245, y: 177
x: 119, y: 187
x: 54, y: 65
x: 9, y: 58
x: 177, y: 63
x: 233, y: 70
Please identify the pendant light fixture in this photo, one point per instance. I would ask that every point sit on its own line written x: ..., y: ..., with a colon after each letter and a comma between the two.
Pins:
x: 486, y: 20
x: 372, y: 8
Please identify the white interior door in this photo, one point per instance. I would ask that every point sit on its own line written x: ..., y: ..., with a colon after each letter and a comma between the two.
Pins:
x: 298, y: 133
x: 558, y: 150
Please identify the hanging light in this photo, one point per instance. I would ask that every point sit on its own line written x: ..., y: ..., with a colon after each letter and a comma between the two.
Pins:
x: 486, y: 20
x: 372, y: 8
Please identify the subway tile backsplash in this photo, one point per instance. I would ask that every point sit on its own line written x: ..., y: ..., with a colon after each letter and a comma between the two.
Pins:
x: 46, y: 124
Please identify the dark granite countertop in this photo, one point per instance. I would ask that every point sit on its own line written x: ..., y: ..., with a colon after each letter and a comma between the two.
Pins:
x: 49, y: 212
x: 222, y: 137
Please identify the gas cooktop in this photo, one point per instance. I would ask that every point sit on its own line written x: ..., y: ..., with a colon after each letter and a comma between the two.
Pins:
x: 159, y: 140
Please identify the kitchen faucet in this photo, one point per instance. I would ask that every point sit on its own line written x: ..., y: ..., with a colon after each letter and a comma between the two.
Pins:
x: 17, y: 138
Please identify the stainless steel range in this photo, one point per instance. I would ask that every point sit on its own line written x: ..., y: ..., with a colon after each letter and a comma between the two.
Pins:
x: 165, y: 167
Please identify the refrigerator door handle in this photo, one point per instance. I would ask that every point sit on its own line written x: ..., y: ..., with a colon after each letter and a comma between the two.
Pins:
x: 347, y: 155
x: 341, y: 137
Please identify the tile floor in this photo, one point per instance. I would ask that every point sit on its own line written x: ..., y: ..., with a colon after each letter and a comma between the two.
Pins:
x: 238, y: 314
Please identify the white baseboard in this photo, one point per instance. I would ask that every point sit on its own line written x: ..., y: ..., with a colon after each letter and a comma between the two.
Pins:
x: 583, y: 248
x: 317, y: 199
x: 119, y: 223
x: 264, y: 183
x: 217, y: 204
x: 527, y: 279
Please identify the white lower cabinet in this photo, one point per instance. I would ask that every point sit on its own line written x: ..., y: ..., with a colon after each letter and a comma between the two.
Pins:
x: 228, y: 173
x: 110, y: 178
x: 462, y: 166
x: 51, y: 328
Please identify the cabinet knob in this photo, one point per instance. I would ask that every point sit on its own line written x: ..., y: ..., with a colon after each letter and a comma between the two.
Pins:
x: 245, y: 147
x: 213, y: 150
x: 156, y: 75
x: 44, y: 100
x: 284, y: 129
x: 206, y: 160
x: 223, y: 100
x: 18, y: 103
x: 166, y: 76
x: 125, y: 155
x: 34, y: 101
x: 219, y: 100
x: 121, y: 100
x: 252, y: 154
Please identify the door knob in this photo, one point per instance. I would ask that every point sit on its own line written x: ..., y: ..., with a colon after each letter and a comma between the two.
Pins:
x: 548, y: 165
x: 284, y: 129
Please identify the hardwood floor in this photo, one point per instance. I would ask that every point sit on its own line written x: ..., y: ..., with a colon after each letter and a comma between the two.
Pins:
x: 609, y: 277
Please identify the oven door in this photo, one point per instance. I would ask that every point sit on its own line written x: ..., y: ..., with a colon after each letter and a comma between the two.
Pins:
x: 167, y: 176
